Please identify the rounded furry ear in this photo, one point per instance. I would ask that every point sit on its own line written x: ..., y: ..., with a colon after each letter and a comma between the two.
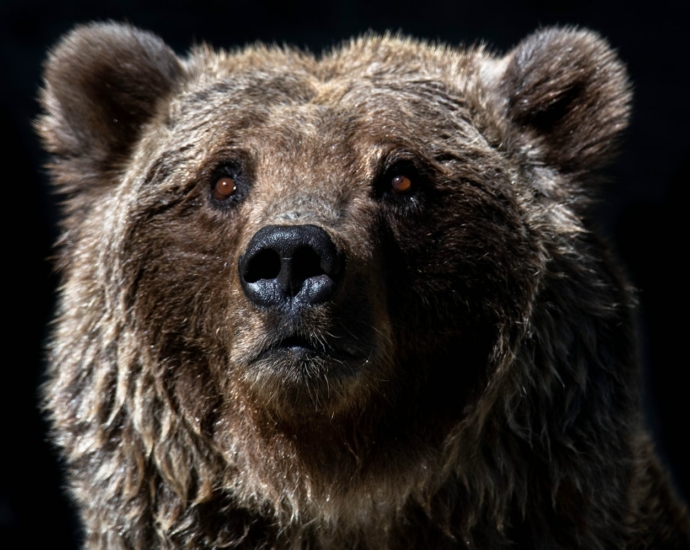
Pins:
x: 102, y: 83
x: 569, y: 87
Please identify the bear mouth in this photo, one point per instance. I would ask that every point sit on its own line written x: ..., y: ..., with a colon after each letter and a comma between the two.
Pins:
x: 303, y: 372
x: 297, y: 347
x: 311, y: 352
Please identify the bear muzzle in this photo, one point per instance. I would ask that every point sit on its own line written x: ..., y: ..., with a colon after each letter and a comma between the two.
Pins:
x: 294, y: 276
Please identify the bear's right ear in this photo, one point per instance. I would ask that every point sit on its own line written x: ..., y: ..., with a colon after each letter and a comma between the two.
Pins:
x: 103, y: 82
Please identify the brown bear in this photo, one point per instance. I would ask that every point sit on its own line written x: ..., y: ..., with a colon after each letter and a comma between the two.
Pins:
x: 345, y: 301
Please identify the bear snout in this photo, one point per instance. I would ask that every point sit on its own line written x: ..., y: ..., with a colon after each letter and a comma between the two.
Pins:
x: 289, y: 267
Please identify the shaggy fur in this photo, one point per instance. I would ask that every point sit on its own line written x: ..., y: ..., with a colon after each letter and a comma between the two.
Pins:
x: 472, y: 382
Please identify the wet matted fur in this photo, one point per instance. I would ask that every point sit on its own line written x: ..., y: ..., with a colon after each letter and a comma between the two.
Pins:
x: 452, y: 362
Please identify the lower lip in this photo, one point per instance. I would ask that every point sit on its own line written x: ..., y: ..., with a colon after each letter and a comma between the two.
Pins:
x: 298, y: 351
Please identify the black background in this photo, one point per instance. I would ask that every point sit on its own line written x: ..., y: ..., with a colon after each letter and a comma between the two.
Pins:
x: 643, y: 213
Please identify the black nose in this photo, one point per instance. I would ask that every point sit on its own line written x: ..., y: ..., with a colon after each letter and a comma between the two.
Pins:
x: 290, y: 265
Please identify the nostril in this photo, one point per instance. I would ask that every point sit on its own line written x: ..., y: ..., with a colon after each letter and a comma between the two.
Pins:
x: 264, y: 265
x: 306, y: 264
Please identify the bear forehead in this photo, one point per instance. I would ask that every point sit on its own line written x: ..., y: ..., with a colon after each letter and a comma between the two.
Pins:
x: 383, y: 88
x: 297, y: 126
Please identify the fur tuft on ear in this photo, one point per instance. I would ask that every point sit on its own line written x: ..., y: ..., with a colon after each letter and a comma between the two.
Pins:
x: 568, y: 87
x: 103, y: 82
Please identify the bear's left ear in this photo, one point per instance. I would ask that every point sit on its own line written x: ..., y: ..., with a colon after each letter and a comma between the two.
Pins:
x: 570, y: 90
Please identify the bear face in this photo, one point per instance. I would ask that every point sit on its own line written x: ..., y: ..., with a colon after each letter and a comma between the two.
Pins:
x: 341, y: 302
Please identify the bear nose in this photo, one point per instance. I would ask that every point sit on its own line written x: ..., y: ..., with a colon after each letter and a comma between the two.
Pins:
x: 290, y: 265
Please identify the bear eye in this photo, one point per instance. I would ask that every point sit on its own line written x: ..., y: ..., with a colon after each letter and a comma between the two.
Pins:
x: 403, y: 181
x: 224, y: 188
x: 401, y: 184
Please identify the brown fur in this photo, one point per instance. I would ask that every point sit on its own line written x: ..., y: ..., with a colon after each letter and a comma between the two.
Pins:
x: 475, y: 383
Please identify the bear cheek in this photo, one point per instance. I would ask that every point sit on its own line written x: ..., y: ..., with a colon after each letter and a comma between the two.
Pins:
x: 181, y: 282
x: 465, y: 266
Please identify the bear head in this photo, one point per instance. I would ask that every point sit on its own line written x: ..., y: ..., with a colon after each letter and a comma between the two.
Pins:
x: 325, y: 286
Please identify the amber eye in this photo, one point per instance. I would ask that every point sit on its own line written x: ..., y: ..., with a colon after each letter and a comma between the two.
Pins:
x: 225, y: 187
x: 401, y: 184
